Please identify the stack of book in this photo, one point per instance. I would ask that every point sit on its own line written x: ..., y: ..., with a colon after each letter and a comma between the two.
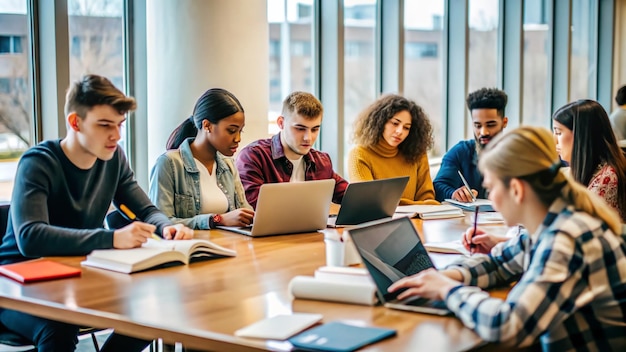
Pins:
x: 336, y: 284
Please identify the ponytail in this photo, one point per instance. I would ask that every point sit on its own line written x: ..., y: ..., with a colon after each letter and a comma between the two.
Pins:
x: 584, y: 200
x: 537, y: 162
x: 185, y: 130
x: 214, y: 105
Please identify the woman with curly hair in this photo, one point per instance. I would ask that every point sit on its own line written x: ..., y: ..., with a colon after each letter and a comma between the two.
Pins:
x: 392, y: 137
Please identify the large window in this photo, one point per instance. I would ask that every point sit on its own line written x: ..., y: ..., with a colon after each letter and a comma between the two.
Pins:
x: 583, y: 61
x: 483, y: 44
x: 96, y: 41
x: 536, y: 35
x: 16, y: 112
x: 359, y: 63
x: 291, y: 52
x: 423, y: 60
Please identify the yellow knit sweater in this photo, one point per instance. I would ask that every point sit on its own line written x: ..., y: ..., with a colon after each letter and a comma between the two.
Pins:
x: 384, y: 161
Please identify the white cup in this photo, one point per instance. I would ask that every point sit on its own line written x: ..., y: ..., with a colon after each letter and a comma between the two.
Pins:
x: 351, y: 256
x: 335, y: 250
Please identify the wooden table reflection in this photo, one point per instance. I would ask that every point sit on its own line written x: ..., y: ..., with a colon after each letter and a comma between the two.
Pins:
x: 202, y: 304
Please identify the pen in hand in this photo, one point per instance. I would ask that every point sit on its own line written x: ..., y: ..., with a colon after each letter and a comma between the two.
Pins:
x: 467, y: 187
x: 132, y: 217
x: 471, y: 244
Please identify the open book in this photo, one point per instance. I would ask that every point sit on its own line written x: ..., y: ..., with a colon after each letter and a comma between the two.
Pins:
x: 484, y: 204
x: 155, y: 253
x: 451, y: 247
x: 426, y: 212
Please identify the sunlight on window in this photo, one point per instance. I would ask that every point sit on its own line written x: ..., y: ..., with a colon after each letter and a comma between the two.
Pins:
x: 536, y: 37
x: 483, y: 44
x: 96, y: 37
x: 359, y: 62
x: 16, y: 114
x: 291, y: 52
x: 423, y: 61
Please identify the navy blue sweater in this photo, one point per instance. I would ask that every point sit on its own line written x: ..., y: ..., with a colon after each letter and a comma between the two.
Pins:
x: 462, y: 157
x: 58, y: 209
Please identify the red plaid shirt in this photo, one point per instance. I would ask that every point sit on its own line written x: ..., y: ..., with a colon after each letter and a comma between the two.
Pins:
x: 264, y: 161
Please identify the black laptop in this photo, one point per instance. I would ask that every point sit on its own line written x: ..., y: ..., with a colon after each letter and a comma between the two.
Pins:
x: 368, y: 201
x: 392, y: 250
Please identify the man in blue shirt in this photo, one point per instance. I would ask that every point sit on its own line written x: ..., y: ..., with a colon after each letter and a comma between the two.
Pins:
x: 486, y: 106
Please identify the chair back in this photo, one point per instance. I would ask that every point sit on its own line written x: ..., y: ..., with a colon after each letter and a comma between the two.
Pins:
x: 4, y: 219
x: 115, y: 220
x: 16, y: 342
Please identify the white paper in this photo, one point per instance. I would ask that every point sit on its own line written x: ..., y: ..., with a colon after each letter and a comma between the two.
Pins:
x: 308, y: 287
x: 453, y: 247
x: 279, y: 327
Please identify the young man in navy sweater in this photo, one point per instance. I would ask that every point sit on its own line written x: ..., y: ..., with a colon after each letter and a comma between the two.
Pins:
x: 486, y: 106
x: 63, y: 190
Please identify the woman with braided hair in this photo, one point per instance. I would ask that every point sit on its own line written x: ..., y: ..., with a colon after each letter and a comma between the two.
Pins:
x: 571, y: 285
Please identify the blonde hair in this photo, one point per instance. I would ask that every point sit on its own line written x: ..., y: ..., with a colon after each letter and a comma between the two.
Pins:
x: 529, y: 153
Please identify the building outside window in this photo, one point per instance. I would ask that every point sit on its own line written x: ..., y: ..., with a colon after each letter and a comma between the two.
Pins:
x: 536, y: 63
x: 423, y: 33
x: 96, y: 32
x: 291, y: 52
x: 359, y: 62
x: 16, y: 112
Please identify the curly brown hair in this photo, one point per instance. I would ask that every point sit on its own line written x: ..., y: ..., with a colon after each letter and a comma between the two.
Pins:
x: 370, y: 124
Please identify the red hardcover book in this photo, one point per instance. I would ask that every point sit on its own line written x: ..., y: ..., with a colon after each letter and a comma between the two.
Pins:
x: 38, y: 270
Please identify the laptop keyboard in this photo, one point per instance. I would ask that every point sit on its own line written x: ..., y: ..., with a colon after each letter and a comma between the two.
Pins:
x: 418, y: 263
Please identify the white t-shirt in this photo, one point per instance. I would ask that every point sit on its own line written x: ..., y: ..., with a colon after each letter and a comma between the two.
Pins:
x: 212, y: 198
x: 297, y: 174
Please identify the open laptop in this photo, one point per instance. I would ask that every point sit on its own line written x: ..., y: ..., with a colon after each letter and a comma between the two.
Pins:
x: 290, y: 207
x: 368, y: 201
x: 392, y: 250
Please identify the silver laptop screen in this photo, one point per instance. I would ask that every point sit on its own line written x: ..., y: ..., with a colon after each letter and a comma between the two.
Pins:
x: 391, y: 250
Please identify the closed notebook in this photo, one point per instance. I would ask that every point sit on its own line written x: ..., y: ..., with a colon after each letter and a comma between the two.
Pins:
x: 279, y: 327
x: 38, y: 270
x: 336, y: 336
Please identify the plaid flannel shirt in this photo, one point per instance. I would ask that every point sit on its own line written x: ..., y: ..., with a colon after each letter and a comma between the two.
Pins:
x: 571, y: 289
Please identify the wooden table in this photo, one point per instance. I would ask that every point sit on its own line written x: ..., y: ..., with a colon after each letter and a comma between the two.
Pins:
x: 202, y: 304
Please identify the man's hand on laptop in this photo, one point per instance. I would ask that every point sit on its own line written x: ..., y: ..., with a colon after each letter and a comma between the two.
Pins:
x: 429, y: 283
x: 238, y: 217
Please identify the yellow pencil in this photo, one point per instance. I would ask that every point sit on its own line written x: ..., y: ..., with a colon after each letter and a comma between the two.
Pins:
x: 132, y: 217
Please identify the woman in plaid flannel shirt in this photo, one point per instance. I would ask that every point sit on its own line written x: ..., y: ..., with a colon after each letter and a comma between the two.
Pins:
x: 570, y: 266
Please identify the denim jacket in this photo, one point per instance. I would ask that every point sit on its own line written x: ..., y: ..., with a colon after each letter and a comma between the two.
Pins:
x: 175, y: 186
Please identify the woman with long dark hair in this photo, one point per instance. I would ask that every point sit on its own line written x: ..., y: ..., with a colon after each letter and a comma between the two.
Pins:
x: 585, y: 139
x: 195, y: 182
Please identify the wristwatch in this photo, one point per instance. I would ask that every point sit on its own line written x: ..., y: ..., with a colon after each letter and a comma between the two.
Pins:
x: 215, y: 220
